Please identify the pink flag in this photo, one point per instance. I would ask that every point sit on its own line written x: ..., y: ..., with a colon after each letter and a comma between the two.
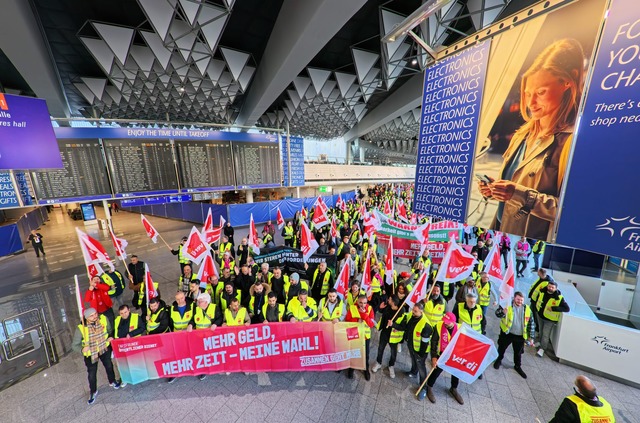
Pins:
x: 508, y: 285
x: 419, y: 291
x: 320, y: 218
x: 342, y: 282
x: 119, y: 244
x: 308, y: 243
x: 253, y: 241
x: 279, y: 219
x: 196, y: 247
x: 211, y: 234
x: 148, y: 227
x: 207, y: 269
x: 456, y: 265
x: 388, y: 265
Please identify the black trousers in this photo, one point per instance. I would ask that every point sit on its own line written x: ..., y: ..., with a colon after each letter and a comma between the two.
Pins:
x: 382, y: 344
x: 38, y: 248
x: 516, y: 341
x: 434, y: 376
x: 288, y: 242
x: 92, y: 369
x: 521, y: 266
x: 418, y: 363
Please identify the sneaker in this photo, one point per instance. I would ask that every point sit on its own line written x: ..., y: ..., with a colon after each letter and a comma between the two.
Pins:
x: 171, y: 380
x: 454, y: 393
x: 520, y: 372
x: 123, y: 384
x: 376, y: 367
x: 496, y: 364
x: 392, y: 372
x: 92, y: 398
x: 480, y: 377
x: 202, y: 377
x: 422, y: 395
x: 540, y: 352
x: 411, y: 375
x: 430, y: 395
x: 115, y: 385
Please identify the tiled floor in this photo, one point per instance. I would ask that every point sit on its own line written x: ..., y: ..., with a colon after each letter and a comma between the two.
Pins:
x: 60, y: 392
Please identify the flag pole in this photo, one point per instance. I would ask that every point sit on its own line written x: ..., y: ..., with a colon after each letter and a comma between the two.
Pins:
x: 426, y: 379
x: 78, y: 299
x: 165, y: 242
x: 326, y: 301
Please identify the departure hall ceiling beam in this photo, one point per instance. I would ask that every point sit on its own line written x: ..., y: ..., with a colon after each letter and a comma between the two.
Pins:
x: 24, y: 45
x: 302, y: 29
x: 404, y: 99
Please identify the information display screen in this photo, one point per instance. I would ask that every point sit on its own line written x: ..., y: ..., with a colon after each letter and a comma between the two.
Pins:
x: 205, y: 165
x: 257, y: 164
x: 141, y: 167
x: 83, y: 177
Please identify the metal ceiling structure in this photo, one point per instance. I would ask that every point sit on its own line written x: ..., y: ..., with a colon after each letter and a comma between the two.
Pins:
x: 317, y: 65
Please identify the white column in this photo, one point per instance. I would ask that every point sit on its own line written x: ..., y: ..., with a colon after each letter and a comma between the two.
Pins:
x: 297, y: 192
x: 107, y: 212
x: 249, y: 196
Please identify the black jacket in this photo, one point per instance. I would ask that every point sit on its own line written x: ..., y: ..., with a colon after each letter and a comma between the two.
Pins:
x: 163, y: 319
x: 123, y: 328
x: 568, y: 410
x: 562, y: 308
x: 136, y: 271
x: 408, y: 325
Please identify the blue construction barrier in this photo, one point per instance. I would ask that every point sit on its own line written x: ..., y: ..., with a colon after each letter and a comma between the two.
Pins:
x: 13, y: 237
x: 236, y: 214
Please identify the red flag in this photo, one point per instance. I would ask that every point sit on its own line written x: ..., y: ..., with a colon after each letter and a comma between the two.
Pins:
x: 388, y: 265
x: 493, y: 265
x: 342, y: 282
x: 371, y: 224
x: 148, y: 227
x: 339, y: 202
x: 362, y: 209
x: 119, y: 244
x: 150, y: 291
x: 508, y: 286
x: 320, y: 219
x: 468, y: 354
x: 334, y: 228
x: 419, y: 291
x: 308, y: 243
x: 253, y: 236
x: 304, y: 213
x: 279, y: 219
x: 94, y: 270
x: 456, y: 265
x: 211, y: 234
x: 195, y: 248
x: 207, y: 269
x: 320, y: 202
x: 387, y: 208
x: 343, y: 205
x: 366, y: 274
x: 92, y: 251
x: 402, y: 211
x: 414, y: 219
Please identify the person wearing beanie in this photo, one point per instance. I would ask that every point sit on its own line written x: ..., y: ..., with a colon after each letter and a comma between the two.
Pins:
x: 292, y: 288
x: 92, y: 339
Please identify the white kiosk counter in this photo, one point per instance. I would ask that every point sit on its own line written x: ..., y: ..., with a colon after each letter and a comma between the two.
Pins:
x: 604, y: 348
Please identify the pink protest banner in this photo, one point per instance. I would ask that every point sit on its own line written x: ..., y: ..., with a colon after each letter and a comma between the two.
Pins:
x: 273, y: 347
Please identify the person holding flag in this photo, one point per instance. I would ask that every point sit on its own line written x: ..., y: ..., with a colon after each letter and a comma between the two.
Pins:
x: 440, y: 338
x: 483, y: 287
x: 182, y: 258
x: 288, y: 232
x: 417, y: 333
x: 115, y: 280
x: 515, y: 330
x: 97, y: 297
x: 361, y: 312
x: 135, y: 269
x: 391, y: 333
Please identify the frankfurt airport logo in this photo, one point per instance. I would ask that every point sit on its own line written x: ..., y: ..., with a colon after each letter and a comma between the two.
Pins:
x: 600, y: 339
x: 626, y: 228
x: 606, y: 345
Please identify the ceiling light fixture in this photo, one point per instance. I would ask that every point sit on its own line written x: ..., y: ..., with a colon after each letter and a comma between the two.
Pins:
x: 414, y: 19
x: 414, y: 62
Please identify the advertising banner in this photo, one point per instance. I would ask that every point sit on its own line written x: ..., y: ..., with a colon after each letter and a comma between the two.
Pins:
x: 10, y: 194
x: 534, y: 85
x: 292, y: 259
x: 274, y: 347
x: 439, y: 235
x: 448, y: 125
x: 600, y: 209
x: 27, y: 140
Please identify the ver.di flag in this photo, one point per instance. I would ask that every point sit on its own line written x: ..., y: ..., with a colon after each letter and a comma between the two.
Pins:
x: 320, y: 202
x: 339, y: 202
x: 196, y: 247
x: 94, y: 253
x: 333, y: 233
x: 365, y: 284
x: 419, y: 291
x: 388, y: 265
x: 279, y: 219
x: 456, y: 265
x: 308, y: 243
x: 149, y: 229
x: 342, y: 282
x: 468, y: 354
x: 207, y: 269
x: 209, y: 232
x: 320, y: 218
x: 387, y: 208
x: 508, y: 285
x: 253, y: 240
x: 493, y: 265
x: 150, y: 290
x: 119, y: 244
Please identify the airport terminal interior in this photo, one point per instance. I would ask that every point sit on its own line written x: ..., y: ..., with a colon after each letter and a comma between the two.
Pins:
x: 319, y: 210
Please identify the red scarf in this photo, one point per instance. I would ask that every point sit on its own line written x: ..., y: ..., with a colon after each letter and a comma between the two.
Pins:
x: 444, y: 336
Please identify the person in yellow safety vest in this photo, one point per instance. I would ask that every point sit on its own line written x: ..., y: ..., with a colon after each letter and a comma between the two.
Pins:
x: 181, y: 312
x: 115, y: 280
x: 355, y: 258
x: 344, y: 248
x: 224, y: 246
x: 293, y: 286
x: 157, y: 317
x: 227, y: 262
x: 264, y: 274
x: 515, y: 328
x: 273, y: 311
x: 303, y: 308
x: 321, y: 280
x: 287, y: 234
x: 229, y: 293
x: 585, y: 405
x: 376, y: 288
x: 440, y: 338
x: 277, y: 282
x: 391, y: 332
x: 469, y: 312
x: 416, y: 270
x: 182, y: 259
x: 538, y: 253
x: 142, y: 299
x: 354, y: 293
x: 127, y: 324
x: 417, y: 333
x: 484, y: 297
x: 548, y: 307
x: 536, y: 288
x: 368, y: 243
x: 331, y: 308
x: 205, y: 316
x: 425, y: 259
x: 258, y: 298
x: 214, y: 288
x: 435, y: 307
x: 93, y: 341
x: 236, y: 315
x: 355, y: 239
x: 185, y: 278
x: 362, y: 312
